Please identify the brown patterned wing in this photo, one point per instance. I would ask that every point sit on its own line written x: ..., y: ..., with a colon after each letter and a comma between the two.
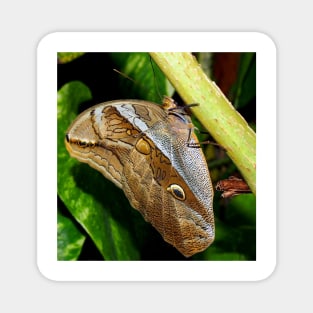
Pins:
x: 165, y: 200
x: 103, y: 138
x: 142, y: 149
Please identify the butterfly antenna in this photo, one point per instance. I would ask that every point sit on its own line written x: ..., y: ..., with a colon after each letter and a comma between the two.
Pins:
x: 124, y: 75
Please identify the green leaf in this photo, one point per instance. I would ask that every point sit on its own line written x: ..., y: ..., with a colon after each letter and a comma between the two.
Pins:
x: 242, y: 210
x: 245, y: 87
x: 237, y: 229
x: 96, y: 204
x: 216, y: 254
x: 70, y: 239
x: 146, y: 81
x: 65, y: 57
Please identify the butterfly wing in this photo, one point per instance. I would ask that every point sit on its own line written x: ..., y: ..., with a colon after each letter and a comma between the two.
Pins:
x: 137, y: 146
x: 180, y: 199
x: 103, y: 135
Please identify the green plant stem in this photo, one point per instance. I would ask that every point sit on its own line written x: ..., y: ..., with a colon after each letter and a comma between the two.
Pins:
x: 215, y: 112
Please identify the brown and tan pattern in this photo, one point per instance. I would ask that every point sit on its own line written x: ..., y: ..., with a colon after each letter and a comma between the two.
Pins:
x: 151, y: 153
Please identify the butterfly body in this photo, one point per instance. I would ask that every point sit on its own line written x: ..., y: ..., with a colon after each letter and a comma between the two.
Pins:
x: 143, y: 148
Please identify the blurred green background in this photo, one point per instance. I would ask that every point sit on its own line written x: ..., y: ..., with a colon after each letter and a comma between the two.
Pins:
x: 95, y: 220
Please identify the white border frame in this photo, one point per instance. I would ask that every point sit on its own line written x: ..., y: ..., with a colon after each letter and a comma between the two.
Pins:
x: 47, y: 157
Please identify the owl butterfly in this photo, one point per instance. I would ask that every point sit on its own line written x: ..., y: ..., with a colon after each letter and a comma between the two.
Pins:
x: 153, y: 155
